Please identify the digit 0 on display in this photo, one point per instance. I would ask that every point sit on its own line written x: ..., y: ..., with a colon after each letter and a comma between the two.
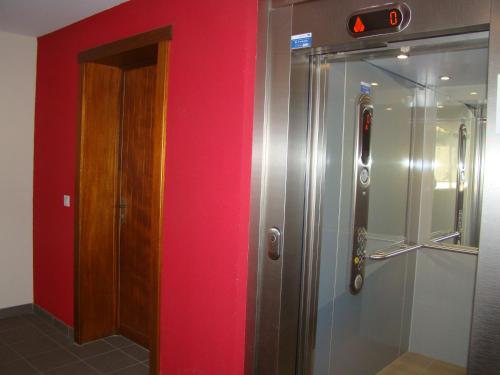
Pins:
x: 377, y: 21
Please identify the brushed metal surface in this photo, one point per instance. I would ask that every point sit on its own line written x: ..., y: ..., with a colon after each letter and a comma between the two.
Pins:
x: 326, y: 20
x: 274, y: 164
x: 295, y: 211
x: 459, y: 205
x: 285, y: 3
x: 361, y: 196
x: 313, y: 167
x: 260, y: 119
x: 277, y: 153
x: 485, y: 339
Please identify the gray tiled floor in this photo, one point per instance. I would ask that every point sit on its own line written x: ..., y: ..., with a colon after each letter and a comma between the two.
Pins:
x: 28, y: 345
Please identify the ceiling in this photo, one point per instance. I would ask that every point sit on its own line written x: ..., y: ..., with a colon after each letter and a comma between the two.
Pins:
x: 467, y: 69
x: 39, y: 17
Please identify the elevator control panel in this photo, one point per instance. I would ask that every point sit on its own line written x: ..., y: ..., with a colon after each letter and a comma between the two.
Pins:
x: 390, y: 18
x: 461, y: 181
x: 362, y: 171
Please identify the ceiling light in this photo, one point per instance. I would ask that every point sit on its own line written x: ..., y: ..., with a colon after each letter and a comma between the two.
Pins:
x: 374, y: 83
x: 445, y: 78
x: 440, y: 106
x: 404, y: 53
x: 473, y: 93
x: 388, y: 109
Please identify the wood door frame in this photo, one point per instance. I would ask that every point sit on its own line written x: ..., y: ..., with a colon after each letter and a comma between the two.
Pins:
x: 138, y: 49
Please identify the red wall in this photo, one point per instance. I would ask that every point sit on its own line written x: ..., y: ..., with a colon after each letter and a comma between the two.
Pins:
x: 209, y: 125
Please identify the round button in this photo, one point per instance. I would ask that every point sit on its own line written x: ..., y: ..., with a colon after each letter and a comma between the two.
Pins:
x: 364, y: 176
x: 358, y: 282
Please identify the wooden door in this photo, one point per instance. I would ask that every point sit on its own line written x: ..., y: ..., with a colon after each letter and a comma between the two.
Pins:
x: 136, y: 268
x: 97, y: 193
x: 121, y: 154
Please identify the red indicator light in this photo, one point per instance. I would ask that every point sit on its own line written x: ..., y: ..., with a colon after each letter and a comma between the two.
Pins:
x: 368, y: 121
x: 379, y: 21
x: 394, y: 18
x: 359, y: 26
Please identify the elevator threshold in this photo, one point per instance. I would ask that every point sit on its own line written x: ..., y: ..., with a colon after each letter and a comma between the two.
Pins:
x: 417, y: 364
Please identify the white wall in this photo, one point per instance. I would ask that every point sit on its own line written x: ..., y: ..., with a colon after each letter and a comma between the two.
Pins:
x: 17, y: 102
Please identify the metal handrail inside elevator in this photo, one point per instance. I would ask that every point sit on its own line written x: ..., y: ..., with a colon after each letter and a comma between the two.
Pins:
x: 434, y: 244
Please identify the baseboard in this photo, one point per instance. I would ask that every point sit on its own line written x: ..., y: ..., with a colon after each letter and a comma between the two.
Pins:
x: 52, y: 320
x: 9, y: 312
x: 31, y: 308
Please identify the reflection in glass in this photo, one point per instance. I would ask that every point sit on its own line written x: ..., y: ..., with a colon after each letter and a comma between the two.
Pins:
x: 457, y: 167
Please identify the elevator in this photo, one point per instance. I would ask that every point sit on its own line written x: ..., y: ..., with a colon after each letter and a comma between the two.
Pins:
x: 119, y: 196
x: 374, y: 199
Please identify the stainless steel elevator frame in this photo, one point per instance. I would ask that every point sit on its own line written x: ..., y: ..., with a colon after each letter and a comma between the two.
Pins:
x: 281, y: 314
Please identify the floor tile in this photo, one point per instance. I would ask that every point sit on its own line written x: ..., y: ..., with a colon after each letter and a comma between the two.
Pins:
x: 78, y: 368
x: 45, y: 327
x: 19, y: 367
x: 91, y: 349
x: 137, y: 351
x: 10, y: 323
x: 34, y: 346
x: 110, y: 361
x: 61, y: 339
x: 31, y: 345
x: 133, y: 370
x: 15, y: 311
x: 35, y: 319
x: 49, y: 360
x: 18, y: 334
x: 119, y: 341
x: 60, y: 326
x: 7, y: 355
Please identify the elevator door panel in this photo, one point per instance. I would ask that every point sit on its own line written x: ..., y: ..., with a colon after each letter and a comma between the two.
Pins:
x: 136, y: 258
x: 360, y: 334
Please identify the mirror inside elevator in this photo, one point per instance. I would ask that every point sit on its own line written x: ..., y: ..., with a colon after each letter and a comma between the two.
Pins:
x: 400, y: 210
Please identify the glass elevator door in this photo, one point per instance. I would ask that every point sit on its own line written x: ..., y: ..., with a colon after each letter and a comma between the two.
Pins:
x: 402, y: 150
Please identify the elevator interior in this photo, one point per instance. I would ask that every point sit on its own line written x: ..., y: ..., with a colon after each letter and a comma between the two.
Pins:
x: 410, y: 119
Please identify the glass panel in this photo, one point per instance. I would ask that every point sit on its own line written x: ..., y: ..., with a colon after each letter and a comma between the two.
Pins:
x: 363, y: 324
x: 457, y: 165
x: 413, y: 110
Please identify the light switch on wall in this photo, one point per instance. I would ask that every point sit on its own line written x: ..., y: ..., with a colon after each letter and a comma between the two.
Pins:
x: 67, y: 201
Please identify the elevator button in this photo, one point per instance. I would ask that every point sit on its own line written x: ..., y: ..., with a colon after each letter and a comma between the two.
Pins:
x: 364, y: 176
x: 358, y: 282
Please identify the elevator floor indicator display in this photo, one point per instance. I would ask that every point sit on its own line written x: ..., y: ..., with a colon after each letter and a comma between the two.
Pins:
x: 380, y: 20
